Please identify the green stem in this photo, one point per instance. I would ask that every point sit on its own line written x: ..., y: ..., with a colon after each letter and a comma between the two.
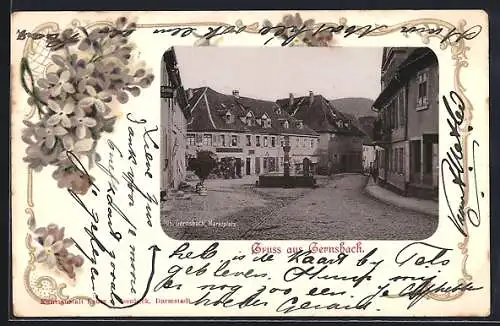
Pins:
x: 66, y: 49
x: 25, y: 69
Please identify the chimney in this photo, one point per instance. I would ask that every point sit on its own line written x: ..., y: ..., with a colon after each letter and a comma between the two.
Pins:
x: 236, y: 93
x: 311, y: 97
x: 290, y: 103
x: 190, y: 93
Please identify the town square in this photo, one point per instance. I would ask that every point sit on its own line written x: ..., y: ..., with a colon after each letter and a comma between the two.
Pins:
x: 312, y: 163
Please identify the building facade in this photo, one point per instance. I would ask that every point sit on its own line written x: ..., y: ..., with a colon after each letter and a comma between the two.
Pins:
x: 174, y: 116
x: 406, y: 132
x: 340, y: 141
x: 247, y: 132
x: 368, y: 157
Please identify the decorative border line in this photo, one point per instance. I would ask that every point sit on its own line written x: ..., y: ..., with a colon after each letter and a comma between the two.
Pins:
x: 37, y: 286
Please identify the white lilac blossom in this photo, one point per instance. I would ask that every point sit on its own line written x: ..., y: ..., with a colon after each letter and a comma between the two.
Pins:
x: 52, y: 249
x: 82, y: 123
x: 61, y: 114
x: 73, y: 101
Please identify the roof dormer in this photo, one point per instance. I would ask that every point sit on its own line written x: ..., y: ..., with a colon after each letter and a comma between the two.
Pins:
x: 229, y: 117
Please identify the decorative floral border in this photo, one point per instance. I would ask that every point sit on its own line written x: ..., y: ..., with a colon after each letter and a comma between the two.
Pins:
x: 46, y: 287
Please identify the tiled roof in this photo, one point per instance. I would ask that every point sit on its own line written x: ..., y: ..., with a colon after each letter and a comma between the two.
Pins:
x: 209, y: 109
x: 320, y: 115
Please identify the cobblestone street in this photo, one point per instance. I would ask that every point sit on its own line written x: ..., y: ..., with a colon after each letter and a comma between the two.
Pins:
x: 339, y: 209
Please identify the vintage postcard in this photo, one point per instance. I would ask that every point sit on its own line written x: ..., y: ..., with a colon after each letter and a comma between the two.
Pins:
x: 265, y: 163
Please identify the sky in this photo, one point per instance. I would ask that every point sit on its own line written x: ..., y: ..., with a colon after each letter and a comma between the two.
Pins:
x: 271, y: 73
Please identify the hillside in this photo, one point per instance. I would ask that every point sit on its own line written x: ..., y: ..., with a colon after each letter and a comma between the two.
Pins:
x: 357, y: 106
x: 358, y: 109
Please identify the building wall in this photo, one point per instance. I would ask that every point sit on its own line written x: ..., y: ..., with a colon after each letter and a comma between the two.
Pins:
x: 173, y: 139
x: 261, y: 147
x: 173, y: 144
x: 368, y: 156
x: 398, y: 166
x: 410, y: 122
x: 340, y: 153
x: 323, y: 154
x: 424, y: 121
x: 301, y: 148
x: 345, y: 152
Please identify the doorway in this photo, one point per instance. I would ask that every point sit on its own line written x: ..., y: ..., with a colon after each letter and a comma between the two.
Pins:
x: 415, y: 163
x: 247, y: 165
x: 238, y: 165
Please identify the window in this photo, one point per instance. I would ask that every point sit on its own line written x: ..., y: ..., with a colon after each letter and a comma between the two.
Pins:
x: 393, y: 113
x: 257, y: 141
x: 234, y: 140
x: 273, y: 141
x: 389, y: 168
x: 422, y: 84
x: 190, y: 139
x: 402, y: 107
x: 207, y: 140
x: 249, y: 119
x: 312, y: 143
x: 401, y: 160
x: 285, y: 124
x: 304, y: 140
x: 395, y: 109
x: 223, y: 140
x: 198, y: 139
x: 300, y: 125
x: 395, y: 160
x: 265, y: 141
x: 287, y: 140
x: 249, y: 140
x: 266, y: 122
x: 398, y: 152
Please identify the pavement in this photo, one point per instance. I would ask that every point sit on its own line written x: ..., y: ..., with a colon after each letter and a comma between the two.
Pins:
x: 340, y: 208
x: 423, y: 206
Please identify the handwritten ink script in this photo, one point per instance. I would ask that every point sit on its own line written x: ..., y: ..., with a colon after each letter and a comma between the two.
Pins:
x: 68, y: 36
x: 287, y: 33
x: 335, y: 281
x: 453, y: 169
x: 290, y: 33
x: 118, y: 209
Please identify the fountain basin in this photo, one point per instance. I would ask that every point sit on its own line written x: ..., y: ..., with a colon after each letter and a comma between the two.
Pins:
x: 281, y: 181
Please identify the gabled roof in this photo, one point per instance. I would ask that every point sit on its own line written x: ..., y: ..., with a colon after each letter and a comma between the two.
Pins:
x: 208, y: 108
x: 319, y: 114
